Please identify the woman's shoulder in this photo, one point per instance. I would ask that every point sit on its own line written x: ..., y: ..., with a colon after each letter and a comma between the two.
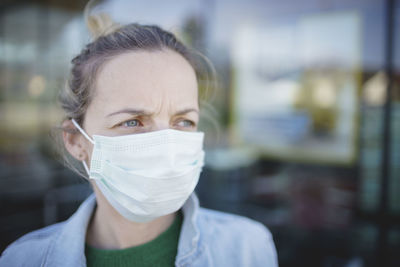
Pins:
x: 247, y: 241
x: 31, y: 247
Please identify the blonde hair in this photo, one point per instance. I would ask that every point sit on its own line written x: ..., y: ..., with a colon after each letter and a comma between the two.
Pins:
x: 110, y: 39
x: 99, y: 24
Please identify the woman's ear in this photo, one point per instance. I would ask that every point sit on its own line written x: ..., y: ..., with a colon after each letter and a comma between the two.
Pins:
x: 74, y: 142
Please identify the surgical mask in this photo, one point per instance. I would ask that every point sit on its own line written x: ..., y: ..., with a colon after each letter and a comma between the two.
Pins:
x: 146, y: 175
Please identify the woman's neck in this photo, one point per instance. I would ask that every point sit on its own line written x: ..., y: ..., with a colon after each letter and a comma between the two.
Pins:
x: 109, y: 230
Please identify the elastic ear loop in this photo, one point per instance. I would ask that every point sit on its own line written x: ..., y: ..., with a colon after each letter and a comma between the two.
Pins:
x: 88, y: 138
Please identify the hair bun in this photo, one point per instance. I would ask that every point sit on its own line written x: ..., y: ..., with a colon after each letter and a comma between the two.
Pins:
x: 99, y: 24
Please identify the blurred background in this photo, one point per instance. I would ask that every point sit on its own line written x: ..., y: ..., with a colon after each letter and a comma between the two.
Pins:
x: 306, y: 132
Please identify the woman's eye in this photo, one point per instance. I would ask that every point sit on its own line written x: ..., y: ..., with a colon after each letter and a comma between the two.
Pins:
x: 131, y: 123
x: 186, y: 123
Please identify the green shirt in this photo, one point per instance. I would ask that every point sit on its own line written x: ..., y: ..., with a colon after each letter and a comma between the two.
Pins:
x: 159, y: 252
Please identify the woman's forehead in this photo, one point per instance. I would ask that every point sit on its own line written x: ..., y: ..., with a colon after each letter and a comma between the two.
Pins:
x: 137, y: 78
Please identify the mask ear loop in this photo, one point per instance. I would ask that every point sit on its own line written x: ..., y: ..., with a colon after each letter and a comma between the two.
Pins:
x: 88, y: 138
x: 86, y: 168
x: 82, y: 131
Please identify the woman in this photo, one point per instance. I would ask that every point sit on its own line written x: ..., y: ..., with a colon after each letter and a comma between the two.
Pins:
x: 132, y: 109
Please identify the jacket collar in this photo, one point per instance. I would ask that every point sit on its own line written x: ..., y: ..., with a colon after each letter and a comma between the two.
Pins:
x: 68, y: 248
x: 190, y: 235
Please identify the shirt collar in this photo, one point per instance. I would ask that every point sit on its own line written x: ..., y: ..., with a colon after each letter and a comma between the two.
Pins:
x: 69, y: 244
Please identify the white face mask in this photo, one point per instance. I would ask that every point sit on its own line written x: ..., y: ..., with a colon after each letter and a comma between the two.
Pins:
x: 146, y: 175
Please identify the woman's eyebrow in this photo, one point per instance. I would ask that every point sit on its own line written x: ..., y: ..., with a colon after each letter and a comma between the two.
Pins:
x: 187, y: 110
x: 139, y: 112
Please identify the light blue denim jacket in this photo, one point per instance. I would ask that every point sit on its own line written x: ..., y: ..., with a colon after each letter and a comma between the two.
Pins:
x: 208, y: 238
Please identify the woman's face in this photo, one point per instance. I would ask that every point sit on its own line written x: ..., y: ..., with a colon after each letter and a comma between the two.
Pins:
x: 138, y: 92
